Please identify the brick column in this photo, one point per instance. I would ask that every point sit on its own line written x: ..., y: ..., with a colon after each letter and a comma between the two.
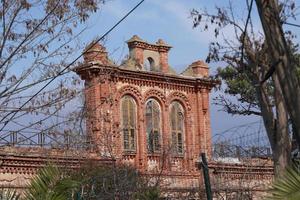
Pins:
x: 163, y: 50
x: 163, y: 59
x: 165, y: 135
x: 206, y: 123
x: 143, y: 139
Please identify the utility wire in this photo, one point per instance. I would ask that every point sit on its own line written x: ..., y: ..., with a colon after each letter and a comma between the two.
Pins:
x: 67, y: 67
x: 291, y: 24
x: 245, y: 30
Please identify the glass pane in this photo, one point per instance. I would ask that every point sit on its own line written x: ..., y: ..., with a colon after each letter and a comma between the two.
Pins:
x: 132, y: 140
x: 179, y: 121
x: 153, y: 125
x: 173, y: 118
x: 174, y: 141
x: 125, y: 112
x: 150, y: 142
x: 128, y: 109
x: 126, y: 138
x: 149, y: 107
x: 149, y: 117
x: 156, y: 115
x: 179, y: 145
x: 156, y: 141
x: 131, y: 113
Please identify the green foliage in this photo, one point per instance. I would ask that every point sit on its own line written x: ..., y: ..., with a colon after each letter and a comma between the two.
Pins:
x: 91, y: 182
x: 286, y: 187
x: 238, y: 84
x: 49, y: 184
x: 239, y: 92
x: 151, y: 193
x: 109, y: 182
x: 9, y: 194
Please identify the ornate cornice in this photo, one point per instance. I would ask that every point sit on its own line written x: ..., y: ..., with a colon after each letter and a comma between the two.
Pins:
x: 148, y: 78
x: 137, y: 42
x: 152, y: 47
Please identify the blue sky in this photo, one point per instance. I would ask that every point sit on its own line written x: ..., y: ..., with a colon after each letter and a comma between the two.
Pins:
x: 169, y: 20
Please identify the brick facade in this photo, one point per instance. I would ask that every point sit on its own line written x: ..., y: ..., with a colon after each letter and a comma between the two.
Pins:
x: 106, y: 84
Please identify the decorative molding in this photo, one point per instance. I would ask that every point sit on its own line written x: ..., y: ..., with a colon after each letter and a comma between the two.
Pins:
x: 182, y: 98
x: 130, y: 90
x: 149, y: 78
x: 156, y: 94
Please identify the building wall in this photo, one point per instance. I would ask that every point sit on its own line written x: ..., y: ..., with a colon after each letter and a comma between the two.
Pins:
x: 106, y: 85
x: 103, y: 101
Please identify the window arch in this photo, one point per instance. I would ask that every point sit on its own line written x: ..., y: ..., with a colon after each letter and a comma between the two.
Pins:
x: 149, y: 64
x: 177, y: 127
x: 153, y: 118
x: 128, y: 109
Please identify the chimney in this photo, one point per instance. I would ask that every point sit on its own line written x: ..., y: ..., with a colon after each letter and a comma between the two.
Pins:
x: 200, y: 69
x: 95, y: 52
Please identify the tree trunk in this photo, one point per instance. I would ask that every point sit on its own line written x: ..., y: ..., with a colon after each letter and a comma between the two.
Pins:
x: 282, y: 152
x: 277, y: 129
x: 278, y: 49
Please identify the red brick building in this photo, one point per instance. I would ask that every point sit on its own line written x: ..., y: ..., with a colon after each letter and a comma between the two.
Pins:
x: 144, y: 113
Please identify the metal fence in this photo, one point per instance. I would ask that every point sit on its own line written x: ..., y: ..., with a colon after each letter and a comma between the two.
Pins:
x: 45, y: 140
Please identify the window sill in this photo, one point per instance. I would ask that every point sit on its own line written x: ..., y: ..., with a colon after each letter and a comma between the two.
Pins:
x: 155, y: 154
x: 129, y: 153
x: 178, y: 156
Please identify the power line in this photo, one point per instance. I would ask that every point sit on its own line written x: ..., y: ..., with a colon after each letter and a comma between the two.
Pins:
x: 67, y: 67
x: 245, y: 31
x: 291, y: 24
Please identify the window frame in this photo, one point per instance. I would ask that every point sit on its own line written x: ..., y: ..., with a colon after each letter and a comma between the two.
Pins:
x: 131, y: 127
x: 154, y: 144
x: 178, y: 131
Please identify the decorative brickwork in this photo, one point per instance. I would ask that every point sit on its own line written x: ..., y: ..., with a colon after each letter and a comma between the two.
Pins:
x: 142, y: 84
x: 123, y: 134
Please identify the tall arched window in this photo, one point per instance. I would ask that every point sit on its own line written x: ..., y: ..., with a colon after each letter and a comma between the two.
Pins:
x: 128, y: 108
x: 177, y: 127
x: 153, y: 125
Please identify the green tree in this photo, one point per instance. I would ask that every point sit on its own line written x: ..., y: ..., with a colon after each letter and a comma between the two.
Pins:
x: 247, y: 92
x: 279, y: 51
x: 50, y: 183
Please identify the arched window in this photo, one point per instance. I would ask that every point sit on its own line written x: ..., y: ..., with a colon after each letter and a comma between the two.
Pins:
x: 153, y: 125
x: 149, y: 64
x: 128, y: 108
x: 177, y: 127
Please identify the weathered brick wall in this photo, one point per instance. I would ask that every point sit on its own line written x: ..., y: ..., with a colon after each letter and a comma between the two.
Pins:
x: 107, y: 84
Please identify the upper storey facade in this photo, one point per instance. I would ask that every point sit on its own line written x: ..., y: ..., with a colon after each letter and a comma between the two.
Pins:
x: 143, y: 112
